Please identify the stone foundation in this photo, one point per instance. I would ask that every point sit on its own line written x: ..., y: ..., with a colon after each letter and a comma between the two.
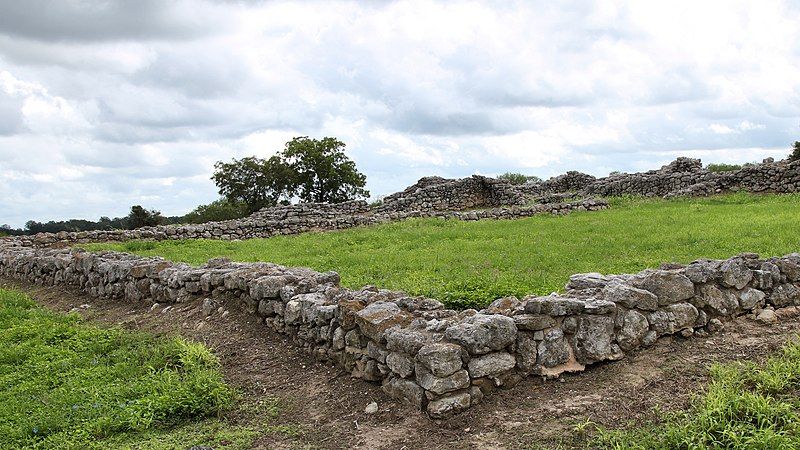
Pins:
x: 439, y: 360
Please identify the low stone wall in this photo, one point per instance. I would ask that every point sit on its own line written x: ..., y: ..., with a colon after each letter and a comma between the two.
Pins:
x: 297, y: 219
x: 439, y: 360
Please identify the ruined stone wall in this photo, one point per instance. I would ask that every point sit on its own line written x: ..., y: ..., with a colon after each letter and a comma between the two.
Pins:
x: 299, y: 219
x: 439, y: 194
x: 439, y: 360
x: 682, y: 177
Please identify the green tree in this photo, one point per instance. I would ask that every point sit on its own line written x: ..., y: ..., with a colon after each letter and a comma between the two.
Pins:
x: 795, y: 152
x: 254, y: 182
x: 218, y: 210
x: 140, y: 217
x: 322, y: 171
x: 312, y: 170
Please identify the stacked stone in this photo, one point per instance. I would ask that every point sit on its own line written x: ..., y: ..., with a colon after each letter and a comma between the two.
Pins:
x: 687, y: 177
x: 571, y: 181
x: 439, y: 194
x: 297, y: 219
x: 440, y: 360
x: 678, y: 175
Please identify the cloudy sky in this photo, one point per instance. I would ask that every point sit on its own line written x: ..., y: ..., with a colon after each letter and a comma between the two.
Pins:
x: 106, y: 104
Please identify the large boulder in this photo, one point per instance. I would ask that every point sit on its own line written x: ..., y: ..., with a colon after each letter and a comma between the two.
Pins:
x: 483, y: 333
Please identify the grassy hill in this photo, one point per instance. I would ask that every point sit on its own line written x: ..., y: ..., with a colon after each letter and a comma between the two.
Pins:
x: 472, y: 263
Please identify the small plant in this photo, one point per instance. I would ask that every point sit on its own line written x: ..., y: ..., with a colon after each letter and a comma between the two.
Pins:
x: 723, y: 167
x: 518, y: 178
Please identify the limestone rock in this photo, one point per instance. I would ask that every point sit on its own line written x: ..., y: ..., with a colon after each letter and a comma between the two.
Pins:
x: 751, y: 298
x: 440, y: 385
x: 404, y: 390
x: 441, y: 359
x: 491, y: 364
x: 669, y: 286
x: 735, y: 273
x: 719, y: 301
x: 447, y: 406
x: 526, y: 351
x: 378, y: 317
x: 592, y: 280
x: 684, y: 315
x: 786, y: 294
x: 533, y: 322
x: 634, y: 328
x: 554, y: 349
x: 553, y: 305
x: 767, y: 316
x: 405, y: 340
x: 400, y: 364
x: 630, y: 297
x: 483, y: 333
x: 593, y: 339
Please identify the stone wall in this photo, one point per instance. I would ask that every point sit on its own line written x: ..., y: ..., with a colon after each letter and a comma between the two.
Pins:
x: 682, y: 177
x: 440, y: 194
x: 439, y: 360
x: 300, y: 218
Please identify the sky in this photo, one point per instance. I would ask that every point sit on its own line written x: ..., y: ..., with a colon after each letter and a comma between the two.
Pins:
x: 107, y: 104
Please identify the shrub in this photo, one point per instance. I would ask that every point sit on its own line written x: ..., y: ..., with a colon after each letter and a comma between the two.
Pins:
x: 795, y: 152
x: 518, y: 178
x: 723, y: 167
x: 216, y: 211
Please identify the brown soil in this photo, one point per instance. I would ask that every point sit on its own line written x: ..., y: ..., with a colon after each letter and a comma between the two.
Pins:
x: 328, y: 406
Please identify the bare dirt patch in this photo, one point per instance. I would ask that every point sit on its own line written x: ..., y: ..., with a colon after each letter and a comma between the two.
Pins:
x: 328, y: 406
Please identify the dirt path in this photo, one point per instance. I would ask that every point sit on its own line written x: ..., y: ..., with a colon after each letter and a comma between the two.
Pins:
x: 328, y: 406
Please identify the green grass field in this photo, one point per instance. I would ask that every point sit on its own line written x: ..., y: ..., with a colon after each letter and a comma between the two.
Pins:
x: 67, y: 384
x: 472, y: 263
x: 744, y: 407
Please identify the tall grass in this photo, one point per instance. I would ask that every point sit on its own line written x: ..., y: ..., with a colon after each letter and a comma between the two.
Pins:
x: 472, y: 263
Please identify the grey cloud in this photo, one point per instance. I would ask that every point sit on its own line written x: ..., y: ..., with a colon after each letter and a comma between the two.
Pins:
x: 100, y: 21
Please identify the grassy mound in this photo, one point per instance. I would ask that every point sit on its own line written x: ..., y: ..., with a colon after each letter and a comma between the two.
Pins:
x: 470, y: 264
x: 744, y: 407
x: 67, y: 384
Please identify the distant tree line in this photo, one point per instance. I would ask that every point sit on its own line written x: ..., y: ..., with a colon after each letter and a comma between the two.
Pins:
x: 137, y: 217
x: 309, y: 170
